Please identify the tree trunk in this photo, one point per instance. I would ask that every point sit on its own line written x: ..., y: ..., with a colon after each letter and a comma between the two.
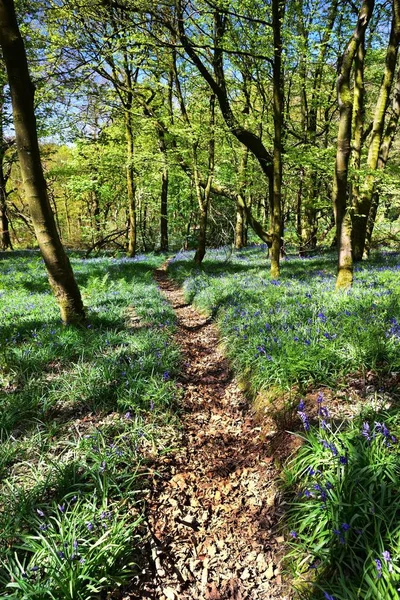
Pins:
x: 4, y: 223
x: 278, y: 9
x: 61, y: 276
x: 240, y: 227
x: 130, y: 182
x: 340, y: 189
x: 204, y: 195
x: 164, y: 192
x: 362, y: 205
x: 386, y: 145
x: 5, y: 239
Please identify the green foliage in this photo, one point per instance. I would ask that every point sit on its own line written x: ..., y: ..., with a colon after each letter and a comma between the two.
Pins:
x: 83, y: 413
x: 342, y: 487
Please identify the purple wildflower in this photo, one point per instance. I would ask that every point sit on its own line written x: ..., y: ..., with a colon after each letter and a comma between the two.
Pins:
x: 378, y: 567
x: 366, y: 432
x: 293, y: 534
x: 386, y: 556
x: 333, y: 449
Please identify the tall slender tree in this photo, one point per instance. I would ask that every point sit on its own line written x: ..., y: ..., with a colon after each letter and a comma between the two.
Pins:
x: 340, y: 182
x: 59, y: 269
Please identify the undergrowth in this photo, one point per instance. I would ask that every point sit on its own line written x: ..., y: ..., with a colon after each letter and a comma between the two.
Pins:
x: 83, y: 413
x: 342, y: 488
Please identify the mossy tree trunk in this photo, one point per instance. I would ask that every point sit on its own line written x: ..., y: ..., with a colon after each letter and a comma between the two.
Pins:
x: 362, y: 204
x: 164, y: 191
x: 130, y: 181
x: 340, y: 181
x: 386, y: 145
x: 358, y: 121
x: 60, y: 272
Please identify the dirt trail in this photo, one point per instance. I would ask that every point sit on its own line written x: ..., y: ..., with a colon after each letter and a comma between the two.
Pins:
x: 213, y: 514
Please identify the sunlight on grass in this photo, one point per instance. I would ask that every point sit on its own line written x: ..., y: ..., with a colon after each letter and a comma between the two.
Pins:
x: 297, y: 331
x: 84, y: 412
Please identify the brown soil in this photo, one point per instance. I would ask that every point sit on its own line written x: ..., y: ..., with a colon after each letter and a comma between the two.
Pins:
x: 214, y: 511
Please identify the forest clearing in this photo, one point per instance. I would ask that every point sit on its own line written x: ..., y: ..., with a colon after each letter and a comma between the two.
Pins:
x: 199, y: 300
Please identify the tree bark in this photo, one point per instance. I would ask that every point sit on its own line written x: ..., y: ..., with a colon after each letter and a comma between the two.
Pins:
x: 362, y: 204
x: 164, y: 191
x: 204, y: 195
x: 130, y: 183
x: 59, y: 269
x: 340, y: 187
x: 4, y: 221
x: 386, y: 145
x: 278, y: 10
x: 5, y: 238
x: 240, y: 227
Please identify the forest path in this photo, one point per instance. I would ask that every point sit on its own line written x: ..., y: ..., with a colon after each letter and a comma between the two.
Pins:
x: 213, y: 514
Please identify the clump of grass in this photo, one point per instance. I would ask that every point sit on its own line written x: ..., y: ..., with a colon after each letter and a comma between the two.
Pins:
x: 83, y: 413
x: 343, y: 515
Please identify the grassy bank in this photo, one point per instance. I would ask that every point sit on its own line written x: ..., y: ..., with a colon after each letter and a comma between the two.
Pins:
x: 83, y: 414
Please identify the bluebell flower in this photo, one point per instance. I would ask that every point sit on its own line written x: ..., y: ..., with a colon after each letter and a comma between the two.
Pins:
x: 293, y: 534
x: 343, y: 460
x: 386, y: 556
x: 304, y: 418
x: 40, y: 512
x: 378, y: 567
x: 328, y: 596
x: 366, y: 432
x: 333, y: 449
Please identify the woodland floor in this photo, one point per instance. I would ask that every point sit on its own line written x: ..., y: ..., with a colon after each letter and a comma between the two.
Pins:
x: 214, y: 509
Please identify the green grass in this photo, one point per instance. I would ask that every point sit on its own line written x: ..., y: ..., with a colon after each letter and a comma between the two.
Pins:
x: 342, y: 489
x: 298, y: 331
x: 84, y: 412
